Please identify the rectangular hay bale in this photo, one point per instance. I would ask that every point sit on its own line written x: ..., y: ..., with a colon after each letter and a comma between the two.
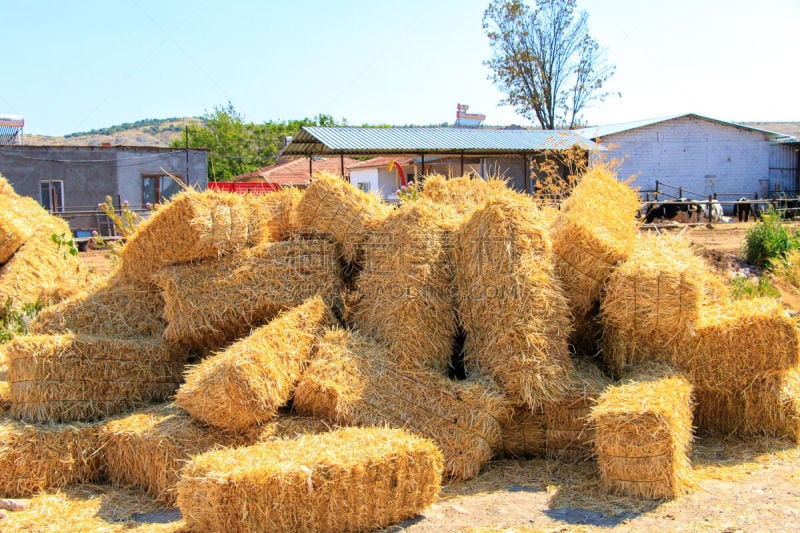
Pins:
x: 353, y: 479
x: 273, y: 216
x: 18, y: 218
x: 522, y: 434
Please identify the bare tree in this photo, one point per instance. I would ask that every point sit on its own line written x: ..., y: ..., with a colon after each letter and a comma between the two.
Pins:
x: 544, y: 60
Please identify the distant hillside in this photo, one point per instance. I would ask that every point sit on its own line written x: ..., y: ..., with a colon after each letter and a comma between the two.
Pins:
x: 147, y: 132
x: 789, y: 128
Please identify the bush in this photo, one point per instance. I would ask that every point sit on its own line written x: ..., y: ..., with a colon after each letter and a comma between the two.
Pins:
x: 16, y: 322
x: 742, y: 288
x: 768, y: 240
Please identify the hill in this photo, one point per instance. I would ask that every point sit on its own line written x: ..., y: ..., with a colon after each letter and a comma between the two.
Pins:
x: 789, y: 128
x: 147, y: 132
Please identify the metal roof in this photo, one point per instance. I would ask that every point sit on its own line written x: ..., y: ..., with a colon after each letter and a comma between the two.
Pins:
x: 598, y: 132
x: 357, y: 141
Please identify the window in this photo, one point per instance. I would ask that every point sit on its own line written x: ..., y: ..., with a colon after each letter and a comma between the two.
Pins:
x: 364, y: 186
x: 157, y: 188
x: 51, y: 195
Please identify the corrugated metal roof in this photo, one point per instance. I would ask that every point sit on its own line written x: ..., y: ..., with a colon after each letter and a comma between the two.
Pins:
x: 353, y: 141
x: 598, y: 132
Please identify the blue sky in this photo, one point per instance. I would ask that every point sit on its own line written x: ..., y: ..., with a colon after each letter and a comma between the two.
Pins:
x: 75, y: 66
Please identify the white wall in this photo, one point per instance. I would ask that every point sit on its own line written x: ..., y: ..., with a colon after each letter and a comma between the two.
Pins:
x: 381, y: 181
x: 701, y: 156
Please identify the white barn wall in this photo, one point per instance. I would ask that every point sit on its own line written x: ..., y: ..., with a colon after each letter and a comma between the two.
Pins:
x: 701, y: 156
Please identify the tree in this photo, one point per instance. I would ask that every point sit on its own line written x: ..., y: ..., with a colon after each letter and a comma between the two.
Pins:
x: 544, y: 60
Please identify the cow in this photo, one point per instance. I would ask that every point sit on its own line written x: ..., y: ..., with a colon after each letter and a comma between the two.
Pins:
x: 681, y: 210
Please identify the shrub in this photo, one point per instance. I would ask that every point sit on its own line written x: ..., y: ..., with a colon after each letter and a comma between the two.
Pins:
x: 742, y: 288
x: 768, y: 240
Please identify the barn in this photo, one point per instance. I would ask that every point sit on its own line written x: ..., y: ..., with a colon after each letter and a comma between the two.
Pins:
x: 695, y: 156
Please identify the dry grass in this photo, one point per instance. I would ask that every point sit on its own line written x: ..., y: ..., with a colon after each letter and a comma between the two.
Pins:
x: 353, y: 479
x: 245, y: 384
x: 16, y: 223
x: 63, y: 378
x: 464, y: 194
x: 211, y: 303
x: 5, y: 186
x: 273, y: 216
x: 522, y: 435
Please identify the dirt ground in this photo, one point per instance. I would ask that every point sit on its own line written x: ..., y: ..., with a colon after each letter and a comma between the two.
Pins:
x: 740, y: 486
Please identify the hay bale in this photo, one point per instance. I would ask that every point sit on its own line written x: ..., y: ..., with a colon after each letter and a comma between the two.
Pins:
x: 273, y: 216
x: 569, y: 433
x: 248, y: 382
x: 5, y: 391
x: 332, y: 206
x: 463, y: 194
x: 405, y: 288
x: 193, y: 225
x: 523, y: 434
x: 34, y: 458
x: 63, y: 378
x: 593, y: 232
x: 148, y: 448
x: 18, y: 218
x: 660, y: 289
x: 128, y: 309
x: 643, y: 434
x: 353, y: 381
x: 509, y: 302
x: 40, y: 271
x: 353, y: 479
x: 739, y: 341
x: 5, y: 186
x: 211, y: 303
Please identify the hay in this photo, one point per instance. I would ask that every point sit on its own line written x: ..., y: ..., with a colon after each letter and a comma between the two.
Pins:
x: 18, y: 216
x: 353, y: 479
x: 332, y: 206
x: 594, y: 231
x: 273, y: 216
x: 739, y: 341
x: 41, y: 271
x: 353, y: 381
x: 34, y: 458
x: 509, y: 302
x: 126, y: 309
x: 643, y: 434
x: 569, y: 434
x: 661, y: 289
x: 5, y: 186
x: 194, y: 225
x: 249, y: 381
x: 523, y: 434
x: 5, y: 391
x: 63, y: 378
x: 463, y: 194
x: 405, y: 288
x: 211, y: 303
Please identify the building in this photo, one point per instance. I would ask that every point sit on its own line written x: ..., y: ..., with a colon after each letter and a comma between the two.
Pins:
x: 297, y: 172
x: 695, y: 156
x: 72, y: 180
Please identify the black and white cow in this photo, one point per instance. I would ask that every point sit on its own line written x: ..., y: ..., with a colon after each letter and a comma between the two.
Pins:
x: 682, y: 210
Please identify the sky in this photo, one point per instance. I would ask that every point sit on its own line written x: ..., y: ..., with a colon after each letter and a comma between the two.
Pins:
x: 77, y: 66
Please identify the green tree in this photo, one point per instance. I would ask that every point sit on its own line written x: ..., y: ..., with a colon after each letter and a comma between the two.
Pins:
x: 544, y: 60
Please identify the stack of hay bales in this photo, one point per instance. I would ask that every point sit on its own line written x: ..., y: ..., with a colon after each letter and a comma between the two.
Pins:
x: 353, y: 479
x: 245, y: 384
x: 353, y: 381
x: 643, y: 434
x: 509, y: 301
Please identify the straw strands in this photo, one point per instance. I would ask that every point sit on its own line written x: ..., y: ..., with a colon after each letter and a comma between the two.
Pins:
x: 644, y: 433
x: 34, y: 458
x: 594, y: 230
x: 523, y: 434
x: 213, y: 302
x: 16, y: 216
x: 248, y: 382
x: 463, y: 194
x: 5, y: 186
x: 194, y: 225
x: 353, y: 479
x: 62, y: 378
x: 405, y: 288
x: 353, y: 381
x: 332, y: 206
x: 273, y: 216
x: 509, y: 302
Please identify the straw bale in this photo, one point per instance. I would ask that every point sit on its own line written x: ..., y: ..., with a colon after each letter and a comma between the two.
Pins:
x: 643, y: 434
x: 509, y: 302
x: 523, y: 434
x: 194, y: 225
x: 39, y: 271
x: 405, y: 288
x: 273, y: 216
x: 332, y: 206
x: 769, y: 405
x: 248, y: 382
x: 62, y: 378
x: 353, y: 479
x: 463, y: 194
x: 114, y: 306
x: 5, y: 186
x: 661, y: 289
x: 18, y: 216
x: 739, y: 341
x: 5, y: 391
x: 211, y: 303
x: 569, y: 433
x: 353, y: 381
x: 148, y: 448
x: 34, y: 458
x: 594, y: 230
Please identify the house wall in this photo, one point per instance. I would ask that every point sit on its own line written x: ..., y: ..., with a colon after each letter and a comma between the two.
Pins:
x: 783, y: 172
x: 381, y: 181
x: 511, y: 169
x: 701, y: 156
